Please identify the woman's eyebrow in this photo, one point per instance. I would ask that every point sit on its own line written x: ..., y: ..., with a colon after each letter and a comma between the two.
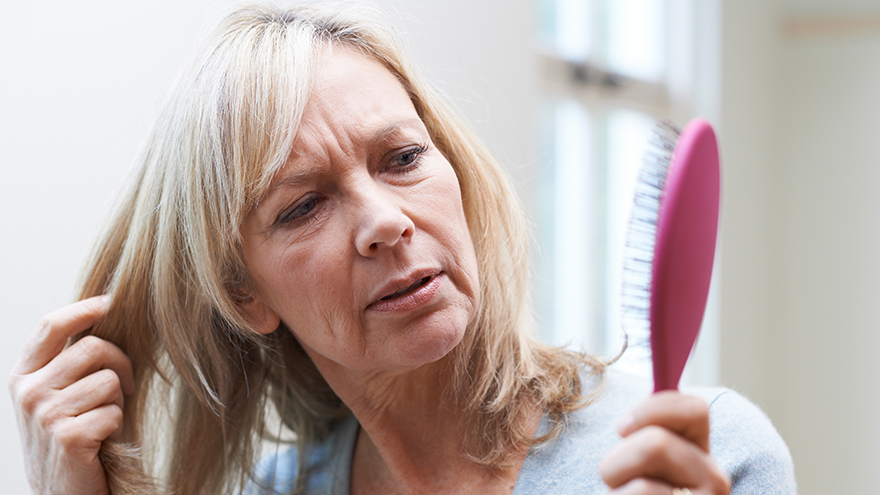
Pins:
x: 389, y: 130
x: 380, y: 135
x: 292, y: 180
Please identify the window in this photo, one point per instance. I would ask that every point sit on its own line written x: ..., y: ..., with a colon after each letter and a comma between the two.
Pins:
x: 611, y: 69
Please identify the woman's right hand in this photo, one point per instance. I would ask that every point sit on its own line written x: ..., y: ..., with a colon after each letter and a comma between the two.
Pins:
x: 68, y: 400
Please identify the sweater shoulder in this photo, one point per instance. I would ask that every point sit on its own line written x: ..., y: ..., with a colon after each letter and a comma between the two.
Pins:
x: 743, y: 441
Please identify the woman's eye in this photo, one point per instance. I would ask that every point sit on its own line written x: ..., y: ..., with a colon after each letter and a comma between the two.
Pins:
x: 408, y: 160
x: 300, y: 212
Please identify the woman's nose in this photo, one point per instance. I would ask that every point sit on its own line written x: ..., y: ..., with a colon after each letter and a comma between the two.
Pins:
x: 382, y: 224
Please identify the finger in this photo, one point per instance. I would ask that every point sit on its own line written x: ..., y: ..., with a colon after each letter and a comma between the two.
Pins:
x: 82, y: 435
x: 685, y: 415
x: 643, y: 486
x: 104, y: 423
x: 657, y: 453
x: 84, y: 357
x: 93, y: 391
x: 54, y: 329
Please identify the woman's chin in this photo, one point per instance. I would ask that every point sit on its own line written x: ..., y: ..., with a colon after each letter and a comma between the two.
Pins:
x: 416, y: 339
x: 432, y: 340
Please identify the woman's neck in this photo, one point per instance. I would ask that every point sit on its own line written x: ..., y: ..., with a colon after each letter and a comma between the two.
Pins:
x: 412, y: 434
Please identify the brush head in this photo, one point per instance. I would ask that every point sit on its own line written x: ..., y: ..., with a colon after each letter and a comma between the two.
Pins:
x: 684, y: 251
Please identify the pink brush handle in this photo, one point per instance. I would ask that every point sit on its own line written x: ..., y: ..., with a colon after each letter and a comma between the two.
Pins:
x: 684, y: 251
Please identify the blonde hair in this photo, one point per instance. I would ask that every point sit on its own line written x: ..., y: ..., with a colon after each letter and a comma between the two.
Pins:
x: 171, y: 259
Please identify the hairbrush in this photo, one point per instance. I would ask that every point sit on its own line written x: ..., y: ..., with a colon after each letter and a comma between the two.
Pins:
x: 670, y: 247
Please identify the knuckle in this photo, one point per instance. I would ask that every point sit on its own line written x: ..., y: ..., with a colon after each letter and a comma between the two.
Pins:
x: 695, y: 407
x: 114, y: 415
x: 66, y: 435
x: 654, y: 449
x: 28, y: 396
x: 45, y: 325
x: 108, y: 379
x: 47, y: 416
x: 655, y: 441
x: 640, y: 485
x: 722, y: 483
x: 107, y: 422
x: 91, y: 347
x: 13, y: 382
x: 44, y: 329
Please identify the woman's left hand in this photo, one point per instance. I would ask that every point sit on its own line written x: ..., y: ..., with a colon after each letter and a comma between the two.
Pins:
x: 665, y: 446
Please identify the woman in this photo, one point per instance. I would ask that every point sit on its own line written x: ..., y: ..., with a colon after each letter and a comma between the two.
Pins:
x: 313, y: 230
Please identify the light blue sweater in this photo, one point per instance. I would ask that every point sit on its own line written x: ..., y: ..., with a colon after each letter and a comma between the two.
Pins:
x: 742, y: 440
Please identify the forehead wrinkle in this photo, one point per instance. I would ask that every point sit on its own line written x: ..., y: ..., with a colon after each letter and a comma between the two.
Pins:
x: 370, y: 125
x: 381, y: 135
x: 324, y: 117
x: 306, y: 165
x: 386, y: 132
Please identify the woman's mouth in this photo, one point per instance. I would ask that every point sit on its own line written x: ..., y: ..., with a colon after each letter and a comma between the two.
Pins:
x: 406, y: 290
x: 416, y: 293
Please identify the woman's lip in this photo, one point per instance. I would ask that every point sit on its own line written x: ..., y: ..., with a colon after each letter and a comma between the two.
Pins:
x: 409, y: 288
x: 401, y: 283
x: 412, y: 299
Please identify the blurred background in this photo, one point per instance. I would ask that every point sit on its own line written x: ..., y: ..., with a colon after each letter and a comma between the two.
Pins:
x: 565, y: 93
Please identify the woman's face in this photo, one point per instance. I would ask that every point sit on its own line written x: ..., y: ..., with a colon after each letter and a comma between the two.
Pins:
x: 361, y: 246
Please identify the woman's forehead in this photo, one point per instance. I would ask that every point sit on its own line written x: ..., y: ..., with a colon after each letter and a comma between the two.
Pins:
x: 303, y: 160
x: 355, y: 89
x: 356, y: 104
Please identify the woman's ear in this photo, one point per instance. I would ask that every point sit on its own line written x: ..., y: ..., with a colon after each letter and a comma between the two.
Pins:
x: 263, y: 319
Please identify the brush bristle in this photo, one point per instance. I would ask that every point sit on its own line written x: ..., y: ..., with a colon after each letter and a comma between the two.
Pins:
x: 641, y: 235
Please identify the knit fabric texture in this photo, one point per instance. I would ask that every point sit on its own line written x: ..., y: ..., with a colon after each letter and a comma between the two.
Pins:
x: 743, y: 443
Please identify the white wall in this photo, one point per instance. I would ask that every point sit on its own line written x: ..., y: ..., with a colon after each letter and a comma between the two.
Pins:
x: 80, y: 84
x: 800, y: 116
x: 800, y: 288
